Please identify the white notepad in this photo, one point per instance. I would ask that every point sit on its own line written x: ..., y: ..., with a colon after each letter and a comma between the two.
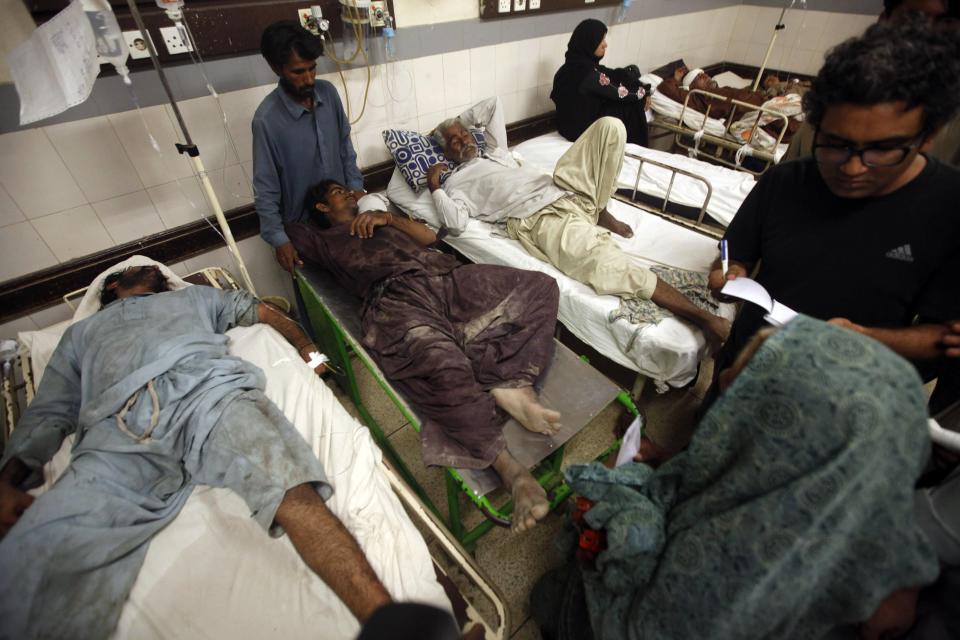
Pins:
x: 778, y: 314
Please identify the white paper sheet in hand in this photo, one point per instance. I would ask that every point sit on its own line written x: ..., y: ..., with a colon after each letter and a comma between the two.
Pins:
x: 55, y: 69
x: 631, y: 442
x: 752, y: 291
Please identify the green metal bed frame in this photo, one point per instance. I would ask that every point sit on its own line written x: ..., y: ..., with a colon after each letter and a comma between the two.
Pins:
x: 339, y: 344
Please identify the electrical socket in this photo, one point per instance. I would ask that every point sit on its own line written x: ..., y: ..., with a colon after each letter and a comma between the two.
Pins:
x: 503, y: 6
x: 534, y: 4
x: 175, y: 44
x: 377, y: 10
x: 519, y: 5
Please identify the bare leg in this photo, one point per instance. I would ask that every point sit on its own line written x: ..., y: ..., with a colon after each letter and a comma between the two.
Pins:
x: 330, y: 551
x: 607, y: 221
x: 522, y: 404
x: 529, y: 499
x: 715, y: 328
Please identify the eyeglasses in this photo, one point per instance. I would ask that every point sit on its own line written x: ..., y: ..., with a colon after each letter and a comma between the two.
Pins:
x: 870, y: 156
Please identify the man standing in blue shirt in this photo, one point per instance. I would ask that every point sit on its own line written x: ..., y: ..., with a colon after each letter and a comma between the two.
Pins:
x: 300, y: 136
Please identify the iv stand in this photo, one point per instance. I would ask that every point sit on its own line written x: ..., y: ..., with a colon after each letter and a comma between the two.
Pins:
x: 193, y: 152
x: 766, y: 58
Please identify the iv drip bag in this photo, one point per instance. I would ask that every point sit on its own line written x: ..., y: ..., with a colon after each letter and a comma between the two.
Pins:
x: 111, y: 46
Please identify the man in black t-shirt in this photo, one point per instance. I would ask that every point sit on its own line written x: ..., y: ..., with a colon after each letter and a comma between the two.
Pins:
x: 867, y: 232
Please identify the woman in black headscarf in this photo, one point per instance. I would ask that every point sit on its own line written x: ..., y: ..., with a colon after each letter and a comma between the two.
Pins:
x: 585, y: 90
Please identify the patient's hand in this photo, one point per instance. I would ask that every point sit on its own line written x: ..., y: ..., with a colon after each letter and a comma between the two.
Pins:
x: 13, y: 502
x: 433, y: 175
x: 364, y: 224
x: 679, y: 72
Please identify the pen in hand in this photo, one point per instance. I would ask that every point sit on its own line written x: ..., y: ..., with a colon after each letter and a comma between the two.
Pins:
x: 724, y: 258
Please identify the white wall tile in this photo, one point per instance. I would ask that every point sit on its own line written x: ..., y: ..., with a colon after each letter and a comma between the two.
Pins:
x: 428, y: 79
x: 456, y: 78
x: 9, y: 211
x: 203, y: 119
x: 52, y: 315
x: 10, y: 329
x: 399, y: 91
x: 34, y: 175
x: 268, y: 278
x: 427, y: 121
x: 483, y: 73
x: 507, y: 67
x: 179, y: 202
x: 371, y: 149
x: 129, y: 217
x: 231, y: 186
x: 552, y: 49
x: 96, y: 159
x: 152, y: 166
x: 239, y: 107
x: 73, y: 233
x: 22, y: 251
x: 528, y: 71
x: 743, y: 24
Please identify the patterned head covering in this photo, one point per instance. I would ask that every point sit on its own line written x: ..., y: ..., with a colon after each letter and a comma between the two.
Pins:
x: 789, y: 514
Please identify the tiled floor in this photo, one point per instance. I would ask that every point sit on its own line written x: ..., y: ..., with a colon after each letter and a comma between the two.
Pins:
x: 516, y: 561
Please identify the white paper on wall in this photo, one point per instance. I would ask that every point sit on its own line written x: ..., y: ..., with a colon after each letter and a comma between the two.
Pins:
x: 55, y: 69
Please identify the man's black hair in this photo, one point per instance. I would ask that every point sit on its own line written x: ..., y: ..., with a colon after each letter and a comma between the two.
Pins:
x: 889, y: 6
x: 317, y: 194
x: 913, y: 61
x: 286, y: 36
x: 128, y: 277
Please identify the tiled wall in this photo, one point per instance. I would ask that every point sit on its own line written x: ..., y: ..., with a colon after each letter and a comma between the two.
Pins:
x: 801, y: 45
x: 72, y: 188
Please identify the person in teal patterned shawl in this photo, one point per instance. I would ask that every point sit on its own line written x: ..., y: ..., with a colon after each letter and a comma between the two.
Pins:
x: 790, y: 514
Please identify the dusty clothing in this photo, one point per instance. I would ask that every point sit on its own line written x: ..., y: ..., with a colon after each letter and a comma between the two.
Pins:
x: 722, y: 109
x: 158, y: 407
x: 444, y: 335
x: 566, y: 234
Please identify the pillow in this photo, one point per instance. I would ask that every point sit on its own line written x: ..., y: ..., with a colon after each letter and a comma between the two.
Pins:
x: 415, y: 153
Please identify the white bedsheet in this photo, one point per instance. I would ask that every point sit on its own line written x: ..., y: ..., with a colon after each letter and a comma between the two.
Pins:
x: 213, y: 573
x: 729, y: 187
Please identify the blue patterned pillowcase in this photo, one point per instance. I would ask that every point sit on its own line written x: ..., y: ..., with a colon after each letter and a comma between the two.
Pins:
x: 415, y: 153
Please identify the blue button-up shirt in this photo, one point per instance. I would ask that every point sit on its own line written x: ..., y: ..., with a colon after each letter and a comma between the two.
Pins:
x: 293, y: 149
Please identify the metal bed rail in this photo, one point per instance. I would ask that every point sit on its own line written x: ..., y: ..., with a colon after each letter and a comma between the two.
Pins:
x: 724, y: 142
x: 699, y: 224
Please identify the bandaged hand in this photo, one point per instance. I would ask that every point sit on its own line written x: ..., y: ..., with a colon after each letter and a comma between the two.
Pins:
x: 306, y: 353
x: 364, y: 224
x: 13, y: 502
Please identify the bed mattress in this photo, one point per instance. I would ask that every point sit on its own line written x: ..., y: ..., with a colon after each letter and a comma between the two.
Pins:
x: 669, y: 351
x: 214, y: 573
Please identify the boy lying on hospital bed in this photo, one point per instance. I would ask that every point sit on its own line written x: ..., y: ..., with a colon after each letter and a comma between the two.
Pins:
x: 556, y: 218
x: 158, y: 407
x: 461, y: 342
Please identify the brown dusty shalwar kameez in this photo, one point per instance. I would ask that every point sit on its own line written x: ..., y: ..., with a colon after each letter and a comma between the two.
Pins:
x: 444, y: 334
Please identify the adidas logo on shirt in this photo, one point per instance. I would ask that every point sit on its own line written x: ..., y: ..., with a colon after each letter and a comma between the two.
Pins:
x: 901, y: 253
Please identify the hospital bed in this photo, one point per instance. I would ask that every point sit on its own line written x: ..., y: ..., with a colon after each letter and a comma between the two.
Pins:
x: 667, y: 352
x: 687, y: 191
x: 214, y: 573
x: 733, y: 140
x: 570, y: 386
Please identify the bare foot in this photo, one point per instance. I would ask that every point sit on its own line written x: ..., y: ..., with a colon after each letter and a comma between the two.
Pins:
x: 607, y: 221
x: 651, y: 453
x: 522, y: 404
x: 530, y: 502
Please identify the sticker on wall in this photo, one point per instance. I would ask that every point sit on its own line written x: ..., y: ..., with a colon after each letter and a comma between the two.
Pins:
x: 137, y: 44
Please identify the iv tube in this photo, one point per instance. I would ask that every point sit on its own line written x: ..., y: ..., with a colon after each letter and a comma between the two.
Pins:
x: 174, y: 9
x: 110, y: 43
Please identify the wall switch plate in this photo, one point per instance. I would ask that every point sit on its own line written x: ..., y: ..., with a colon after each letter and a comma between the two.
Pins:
x: 377, y: 10
x: 175, y: 44
x: 534, y: 4
x: 503, y: 6
x: 519, y: 5
x: 137, y: 44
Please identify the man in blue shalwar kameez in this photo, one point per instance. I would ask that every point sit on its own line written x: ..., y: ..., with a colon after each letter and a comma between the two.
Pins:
x: 158, y: 407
